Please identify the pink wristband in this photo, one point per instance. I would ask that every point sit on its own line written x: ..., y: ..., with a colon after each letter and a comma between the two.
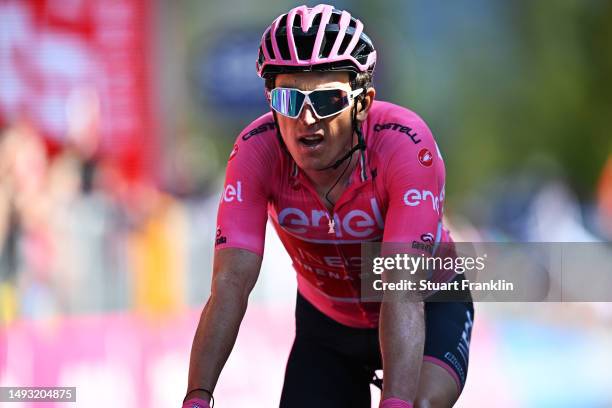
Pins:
x: 195, y: 403
x: 394, y: 403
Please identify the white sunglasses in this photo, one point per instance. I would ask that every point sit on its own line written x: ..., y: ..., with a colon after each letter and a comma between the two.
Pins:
x: 324, y: 102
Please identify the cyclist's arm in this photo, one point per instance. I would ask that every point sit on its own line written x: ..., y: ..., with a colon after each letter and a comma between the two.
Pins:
x: 414, y: 181
x: 235, y: 273
x: 239, y: 243
x: 402, y: 339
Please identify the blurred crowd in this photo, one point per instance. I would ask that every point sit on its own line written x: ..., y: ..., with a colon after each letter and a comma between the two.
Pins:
x: 76, y: 236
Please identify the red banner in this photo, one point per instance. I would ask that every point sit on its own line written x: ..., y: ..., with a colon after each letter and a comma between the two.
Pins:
x: 80, y: 67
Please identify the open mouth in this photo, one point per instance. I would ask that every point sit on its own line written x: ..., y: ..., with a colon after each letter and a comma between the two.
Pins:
x: 311, y: 140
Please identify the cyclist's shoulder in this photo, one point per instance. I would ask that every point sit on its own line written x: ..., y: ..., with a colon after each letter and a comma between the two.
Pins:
x: 261, y: 131
x: 258, y: 140
x: 389, y: 110
x: 390, y: 127
x: 256, y: 154
x: 386, y: 117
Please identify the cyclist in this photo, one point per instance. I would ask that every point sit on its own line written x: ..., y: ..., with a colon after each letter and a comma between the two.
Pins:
x: 332, y: 168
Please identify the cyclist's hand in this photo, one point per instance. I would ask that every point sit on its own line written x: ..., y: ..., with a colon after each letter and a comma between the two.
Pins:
x: 195, y: 403
x: 394, y: 403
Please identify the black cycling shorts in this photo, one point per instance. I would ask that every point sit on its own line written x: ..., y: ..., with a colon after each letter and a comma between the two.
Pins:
x: 332, y: 365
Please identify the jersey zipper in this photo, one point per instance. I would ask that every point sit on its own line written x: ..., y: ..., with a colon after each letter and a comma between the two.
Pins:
x: 332, y: 230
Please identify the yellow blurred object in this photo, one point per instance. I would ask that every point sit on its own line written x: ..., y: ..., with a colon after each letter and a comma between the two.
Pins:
x: 158, y: 259
x: 8, y: 303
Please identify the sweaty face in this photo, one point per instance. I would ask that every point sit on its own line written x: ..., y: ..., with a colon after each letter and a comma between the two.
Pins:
x: 316, y: 143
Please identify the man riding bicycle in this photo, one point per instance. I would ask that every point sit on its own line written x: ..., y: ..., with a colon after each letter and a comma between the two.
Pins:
x: 332, y: 168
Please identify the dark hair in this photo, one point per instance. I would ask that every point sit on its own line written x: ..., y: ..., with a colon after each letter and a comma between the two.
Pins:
x: 362, y: 80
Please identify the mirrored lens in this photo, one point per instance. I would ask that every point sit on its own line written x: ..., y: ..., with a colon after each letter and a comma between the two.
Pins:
x: 327, y: 102
x: 287, y: 101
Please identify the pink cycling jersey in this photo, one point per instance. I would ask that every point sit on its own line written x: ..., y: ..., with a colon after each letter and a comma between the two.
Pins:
x: 395, y: 194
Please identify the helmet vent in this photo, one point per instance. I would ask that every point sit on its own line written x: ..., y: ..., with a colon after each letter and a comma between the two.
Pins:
x: 335, y: 17
x: 297, y: 21
x: 283, y: 21
x: 260, y: 58
x: 269, y: 47
x: 328, y: 42
x: 345, y: 41
x: 304, y: 44
x: 281, y: 38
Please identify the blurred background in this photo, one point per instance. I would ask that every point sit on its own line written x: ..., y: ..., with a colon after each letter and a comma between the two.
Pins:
x: 116, y: 120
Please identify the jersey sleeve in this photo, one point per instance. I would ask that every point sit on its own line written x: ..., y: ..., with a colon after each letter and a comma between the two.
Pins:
x: 242, y: 214
x: 414, y: 180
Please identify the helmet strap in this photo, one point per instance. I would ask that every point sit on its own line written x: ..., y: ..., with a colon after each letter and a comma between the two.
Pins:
x: 356, y: 128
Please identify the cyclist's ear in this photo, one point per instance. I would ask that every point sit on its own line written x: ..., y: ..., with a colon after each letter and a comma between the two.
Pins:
x: 365, y: 103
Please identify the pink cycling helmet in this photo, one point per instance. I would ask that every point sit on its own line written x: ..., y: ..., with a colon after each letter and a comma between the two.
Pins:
x: 319, y: 38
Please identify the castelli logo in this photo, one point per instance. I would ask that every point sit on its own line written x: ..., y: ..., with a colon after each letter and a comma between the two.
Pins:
x: 233, y: 152
x: 218, y: 238
x: 425, y: 157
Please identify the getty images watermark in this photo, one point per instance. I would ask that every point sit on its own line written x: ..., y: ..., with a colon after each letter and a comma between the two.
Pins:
x: 411, y: 264
x: 498, y: 272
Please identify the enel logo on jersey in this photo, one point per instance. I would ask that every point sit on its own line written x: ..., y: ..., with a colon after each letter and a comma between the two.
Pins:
x: 232, y: 193
x: 355, y: 223
x: 414, y: 197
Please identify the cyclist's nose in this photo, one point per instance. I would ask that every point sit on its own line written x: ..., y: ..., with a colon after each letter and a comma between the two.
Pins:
x: 307, y: 115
